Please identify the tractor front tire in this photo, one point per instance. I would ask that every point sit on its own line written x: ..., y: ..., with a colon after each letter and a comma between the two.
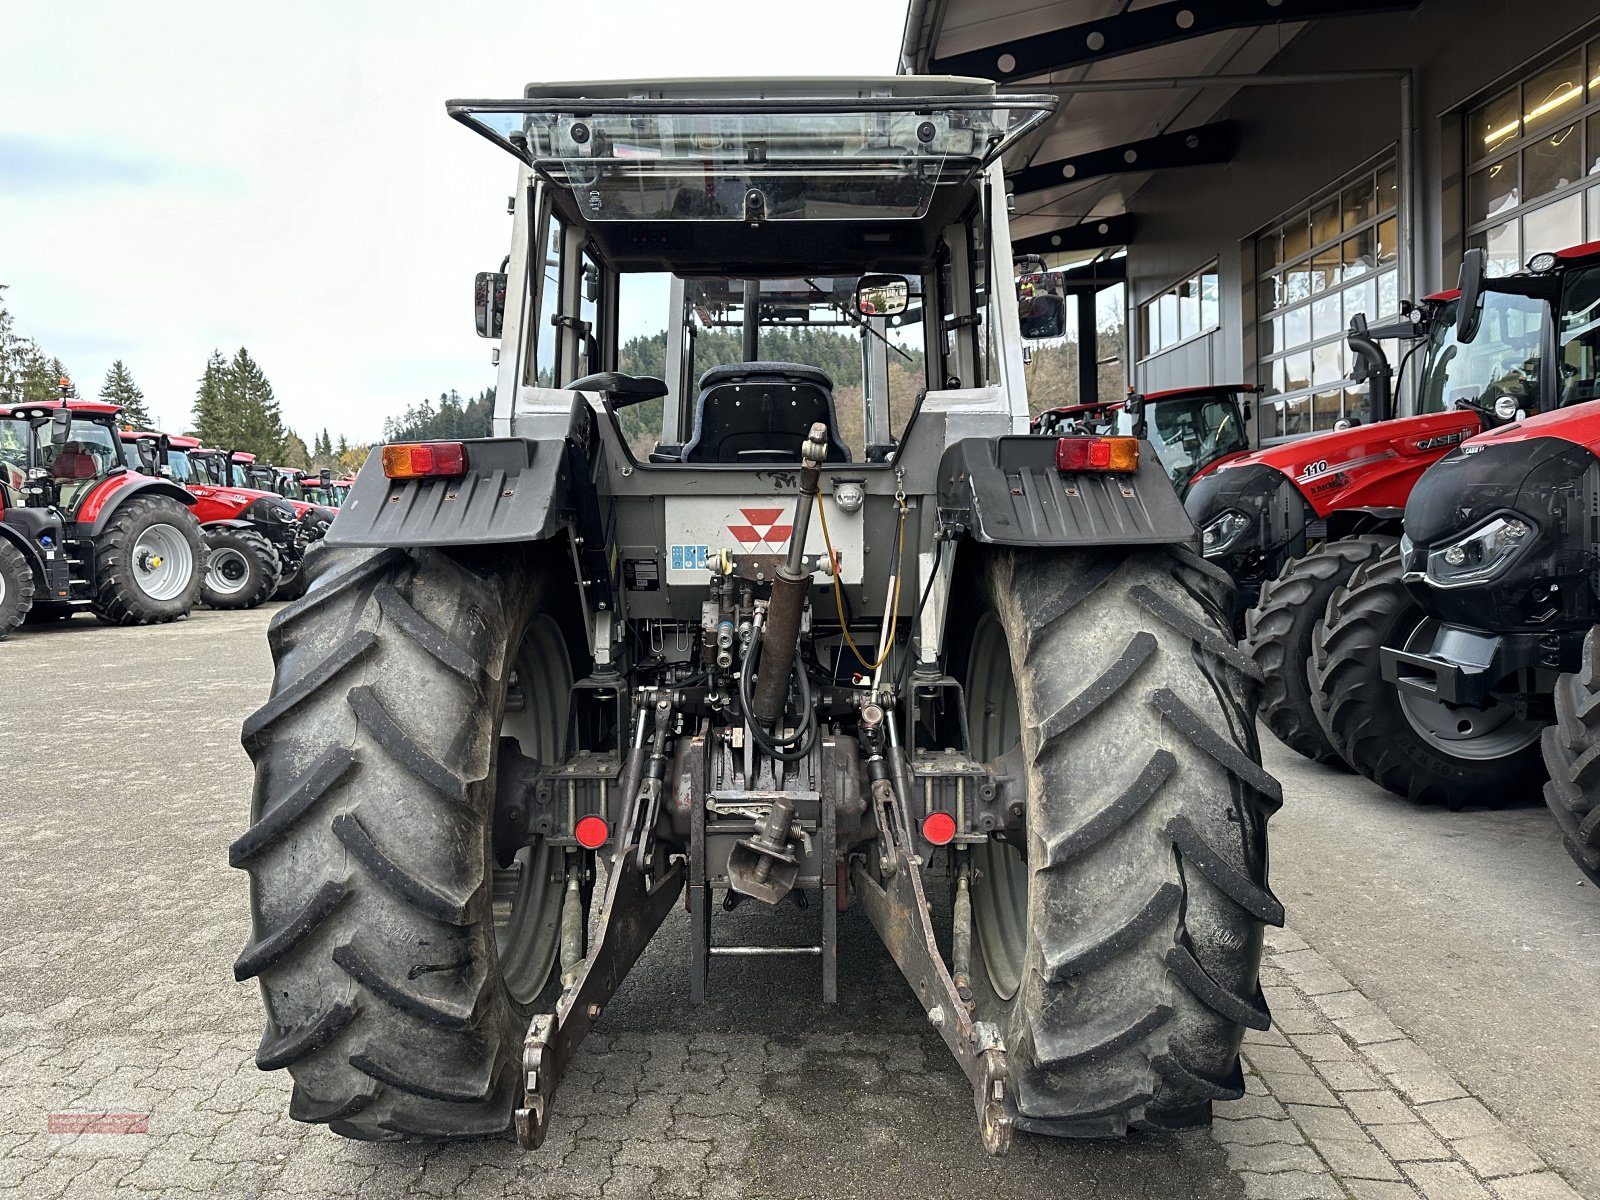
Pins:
x: 241, y: 568
x: 1573, y: 792
x: 1278, y: 633
x: 16, y: 588
x: 292, y: 585
x: 149, y: 560
x: 1425, y: 750
x: 379, y: 907
x: 1117, y: 946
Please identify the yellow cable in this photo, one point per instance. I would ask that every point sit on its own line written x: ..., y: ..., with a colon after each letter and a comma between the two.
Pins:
x: 838, y: 591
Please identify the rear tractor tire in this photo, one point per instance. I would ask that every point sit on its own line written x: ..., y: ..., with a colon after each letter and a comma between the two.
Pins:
x: 1573, y: 792
x: 1425, y: 750
x: 149, y: 560
x: 241, y: 568
x: 398, y: 963
x: 16, y: 588
x: 1117, y: 947
x: 1278, y: 634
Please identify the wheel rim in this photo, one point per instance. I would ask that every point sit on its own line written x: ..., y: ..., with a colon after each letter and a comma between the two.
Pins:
x: 1000, y: 891
x: 1477, y: 734
x: 528, y: 894
x: 227, y: 572
x: 162, y: 562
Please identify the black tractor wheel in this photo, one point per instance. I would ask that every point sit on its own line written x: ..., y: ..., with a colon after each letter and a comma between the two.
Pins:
x: 1117, y: 946
x: 241, y: 568
x: 16, y: 587
x: 1278, y: 636
x: 399, y: 964
x: 149, y: 560
x: 292, y: 582
x: 1425, y: 750
x: 1573, y: 792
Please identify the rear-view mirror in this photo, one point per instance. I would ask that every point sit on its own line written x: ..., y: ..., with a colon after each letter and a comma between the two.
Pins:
x: 489, y: 302
x: 1041, y: 314
x: 1469, y: 309
x: 882, y: 295
x: 60, y: 425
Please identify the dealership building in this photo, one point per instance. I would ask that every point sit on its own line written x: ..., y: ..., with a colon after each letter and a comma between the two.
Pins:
x: 1235, y: 179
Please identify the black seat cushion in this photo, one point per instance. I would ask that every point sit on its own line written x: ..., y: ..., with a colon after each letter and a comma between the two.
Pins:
x: 760, y: 412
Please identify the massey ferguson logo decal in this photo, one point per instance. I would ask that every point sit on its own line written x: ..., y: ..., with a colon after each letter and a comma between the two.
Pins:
x: 763, y: 532
x: 1443, y: 439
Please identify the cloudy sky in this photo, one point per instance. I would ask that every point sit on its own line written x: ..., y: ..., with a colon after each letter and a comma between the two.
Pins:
x: 176, y: 177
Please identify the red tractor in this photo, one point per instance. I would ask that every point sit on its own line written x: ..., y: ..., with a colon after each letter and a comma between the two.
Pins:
x: 1292, y: 522
x: 1440, y: 661
x: 79, y: 529
x: 288, y: 525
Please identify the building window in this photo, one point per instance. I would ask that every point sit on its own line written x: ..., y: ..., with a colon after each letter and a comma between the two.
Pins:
x: 1183, y: 311
x: 1315, y: 270
x: 1533, y: 155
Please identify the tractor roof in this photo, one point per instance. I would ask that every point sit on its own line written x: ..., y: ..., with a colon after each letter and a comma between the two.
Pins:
x: 1201, y: 389
x: 179, y: 442
x: 40, y: 407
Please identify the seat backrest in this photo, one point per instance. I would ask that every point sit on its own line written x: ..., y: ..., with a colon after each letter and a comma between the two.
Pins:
x: 760, y: 412
x: 72, y: 463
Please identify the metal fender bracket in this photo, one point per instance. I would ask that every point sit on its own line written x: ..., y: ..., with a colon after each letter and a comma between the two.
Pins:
x: 899, y: 912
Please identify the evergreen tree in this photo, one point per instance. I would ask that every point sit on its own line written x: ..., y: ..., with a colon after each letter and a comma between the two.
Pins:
x: 260, y: 425
x: 119, y: 388
x: 39, y: 378
x: 11, y: 346
x: 344, y: 447
x: 295, y: 453
x: 211, y: 416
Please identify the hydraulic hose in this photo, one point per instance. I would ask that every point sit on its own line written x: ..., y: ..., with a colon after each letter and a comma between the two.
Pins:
x: 792, y: 747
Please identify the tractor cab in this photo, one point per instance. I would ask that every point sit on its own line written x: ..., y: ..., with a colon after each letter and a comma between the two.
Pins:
x: 1193, y: 430
x: 74, y: 445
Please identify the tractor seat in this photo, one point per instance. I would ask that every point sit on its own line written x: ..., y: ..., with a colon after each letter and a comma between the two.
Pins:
x: 760, y: 412
x: 74, y: 464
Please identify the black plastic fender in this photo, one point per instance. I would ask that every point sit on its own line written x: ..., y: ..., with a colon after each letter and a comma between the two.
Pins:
x: 1007, y: 491
x: 227, y: 523
x: 31, y: 552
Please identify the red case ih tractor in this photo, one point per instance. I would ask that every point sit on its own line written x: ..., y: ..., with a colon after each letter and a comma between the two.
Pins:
x: 780, y: 653
x: 1439, y: 662
x: 289, y: 526
x: 1292, y: 522
x: 78, y: 529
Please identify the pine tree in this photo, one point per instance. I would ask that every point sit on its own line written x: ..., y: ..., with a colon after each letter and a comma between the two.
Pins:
x: 295, y: 453
x: 38, y: 377
x: 344, y: 447
x: 119, y: 388
x: 261, y: 428
x: 211, y: 418
x: 10, y: 356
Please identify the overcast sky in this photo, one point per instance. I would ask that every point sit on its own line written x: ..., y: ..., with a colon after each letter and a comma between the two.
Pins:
x: 177, y: 177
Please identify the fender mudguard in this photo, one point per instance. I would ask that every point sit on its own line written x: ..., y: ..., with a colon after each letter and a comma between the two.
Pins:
x: 226, y: 523
x: 101, y: 503
x: 1007, y: 491
x: 30, y: 552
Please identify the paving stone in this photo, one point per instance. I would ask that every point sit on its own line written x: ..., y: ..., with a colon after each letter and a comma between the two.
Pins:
x: 1300, y: 1089
x: 1318, y: 1123
x: 1247, y: 1106
x: 1283, y: 941
x: 1378, y: 1108
x: 1546, y: 1185
x: 1365, y: 1031
x: 1371, y: 1189
x: 1323, y: 1047
x: 1300, y: 962
x: 1257, y: 1131
x: 1276, y: 1060
x: 1409, y: 1143
x: 1265, y: 1037
x: 1350, y: 1077
x: 1321, y: 983
x: 1295, y: 1018
x: 1459, y: 1118
x: 1291, y: 1185
x: 1497, y: 1153
x: 1356, y: 1160
x: 1271, y: 1157
x: 1421, y: 1087
x: 1446, y: 1181
x: 1400, y: 1055
x: 1344, y: 1004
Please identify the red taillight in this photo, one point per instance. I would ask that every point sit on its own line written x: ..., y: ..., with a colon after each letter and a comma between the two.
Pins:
x: 422, y: 460
x: 1112, y: 455
x: 592, y: 832
x: 939, y: 828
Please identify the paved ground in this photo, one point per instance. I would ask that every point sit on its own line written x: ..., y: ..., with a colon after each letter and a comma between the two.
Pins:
x: 119, y: 922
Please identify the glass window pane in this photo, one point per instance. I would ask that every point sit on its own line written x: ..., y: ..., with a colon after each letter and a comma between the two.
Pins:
x: 1503, y: 249
x: 1388, y: 190
x: 1327, y: 364
x: 1270, y: 336
x: 1297, y: 371
x: 1388, y: 295
x: 1594, y: 69
x: 1325, y: 223
x: 1296, y: 239
x: 1326, y: 315
x: 1492, y: 126
x: 1269, y: 250
x: 1358, y: 202
x: 1210, y: 309
x: 1553, y: 227
x: 1358, y: 254
x: 1551, y: 95
x: 1297, y: 326
x: 1295, y: 418
x: 1269, y: 294
x: 1152, y: 328
x: 1279, y: 368
x: 1169, y: 318
x: 1297, y: 284
x: 1358, y: 404
x: 1492, y: 190
x: 1550, y: 163
x: 1325, y: 409
x: 1360, y: 299
x: 1188, y: 308
x: 1325, y: 265
x: 1594, y: 215
x: 1388, y: 241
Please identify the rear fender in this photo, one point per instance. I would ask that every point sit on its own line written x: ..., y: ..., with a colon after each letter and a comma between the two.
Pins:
x: 1007, y: 491
x: 111, y: 494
